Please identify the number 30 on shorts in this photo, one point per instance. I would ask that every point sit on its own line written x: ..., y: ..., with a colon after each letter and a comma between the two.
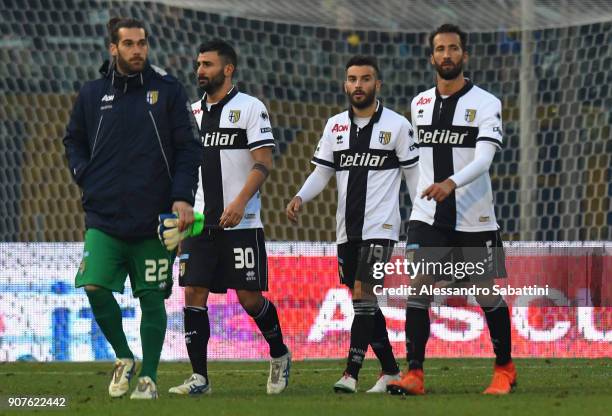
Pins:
x: 244, y: 257
x: 156, y: 270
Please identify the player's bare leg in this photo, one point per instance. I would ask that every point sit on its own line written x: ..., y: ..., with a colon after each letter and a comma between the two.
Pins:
x: 265, y: 316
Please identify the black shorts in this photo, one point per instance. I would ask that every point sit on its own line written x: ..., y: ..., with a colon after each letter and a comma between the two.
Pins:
x: 221, y: 260
x: 484, y: 250
x: 356, y: 259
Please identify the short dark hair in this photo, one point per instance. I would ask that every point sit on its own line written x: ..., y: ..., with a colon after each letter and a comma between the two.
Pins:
x: 224, y: 49
x: 116, y: 23
x: 363, y: 60
x: 449, y: 28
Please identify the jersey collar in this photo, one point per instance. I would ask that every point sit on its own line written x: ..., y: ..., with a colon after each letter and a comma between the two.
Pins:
x: 231, y: 94
x: 375, y: 116
x: 468, y: 86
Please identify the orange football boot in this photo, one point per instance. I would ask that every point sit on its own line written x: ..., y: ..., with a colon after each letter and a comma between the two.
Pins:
x: 412, y: 383
x: 504, y: 379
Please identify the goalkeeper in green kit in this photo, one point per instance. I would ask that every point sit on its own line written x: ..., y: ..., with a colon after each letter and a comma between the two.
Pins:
x: 133, y: 149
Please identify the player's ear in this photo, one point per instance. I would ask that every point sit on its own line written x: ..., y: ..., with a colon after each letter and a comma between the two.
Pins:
x: 431, y: 60
x: 112, y: 49
x: 344, y: 87
x: 378, y: 85
x: 228, y: 70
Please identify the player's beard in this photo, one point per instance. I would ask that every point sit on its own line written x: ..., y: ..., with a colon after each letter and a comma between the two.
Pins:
x: 367, y: 100
x: 129, y: 67
x: 449, y: 73
x: 211, y: 85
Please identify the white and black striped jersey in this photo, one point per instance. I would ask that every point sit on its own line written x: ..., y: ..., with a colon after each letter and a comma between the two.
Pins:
x: 230, y: 129
x: 367, y: 162
x: 447, y: 130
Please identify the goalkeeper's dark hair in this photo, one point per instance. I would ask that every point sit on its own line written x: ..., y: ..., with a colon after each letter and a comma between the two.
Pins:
x: 116, y: 23
x: 449, y: 28
x: 364, y: 60
x: 223, y: 49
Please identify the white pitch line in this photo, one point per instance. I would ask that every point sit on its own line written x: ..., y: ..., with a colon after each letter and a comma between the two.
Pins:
x: 308, y: 370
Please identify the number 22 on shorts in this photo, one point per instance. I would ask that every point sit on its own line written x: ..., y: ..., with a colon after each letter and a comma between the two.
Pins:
x: 156, y: 270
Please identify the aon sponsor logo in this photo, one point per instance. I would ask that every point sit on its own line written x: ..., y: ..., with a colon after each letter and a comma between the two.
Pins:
x: 362, y: 159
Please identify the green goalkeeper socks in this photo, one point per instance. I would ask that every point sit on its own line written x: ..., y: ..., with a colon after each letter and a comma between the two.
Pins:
x: 107, y: 312
x: 152, y: 331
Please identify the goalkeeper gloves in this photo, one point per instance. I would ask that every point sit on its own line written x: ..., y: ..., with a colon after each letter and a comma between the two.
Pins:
x: 168, y: 231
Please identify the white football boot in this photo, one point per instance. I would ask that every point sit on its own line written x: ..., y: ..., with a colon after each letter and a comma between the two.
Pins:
x: 347, y: 384
x: 122, y: 374
x: 280, y: 367
x: 381, y: 383
x: 145, y: 389
x: 194, y: 385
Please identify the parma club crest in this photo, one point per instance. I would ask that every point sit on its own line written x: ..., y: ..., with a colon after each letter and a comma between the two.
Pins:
x: 470, y: 115
x: 234, y: 116
x: 152, y: 97
x: 183, y: 263
x: 384, y: 137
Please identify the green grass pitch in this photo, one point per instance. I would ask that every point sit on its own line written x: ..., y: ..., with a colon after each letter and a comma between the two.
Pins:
x: 554, y: 386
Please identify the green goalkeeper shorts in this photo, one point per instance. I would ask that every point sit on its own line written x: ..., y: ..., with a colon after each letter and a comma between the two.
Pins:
x: 108, y: 260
